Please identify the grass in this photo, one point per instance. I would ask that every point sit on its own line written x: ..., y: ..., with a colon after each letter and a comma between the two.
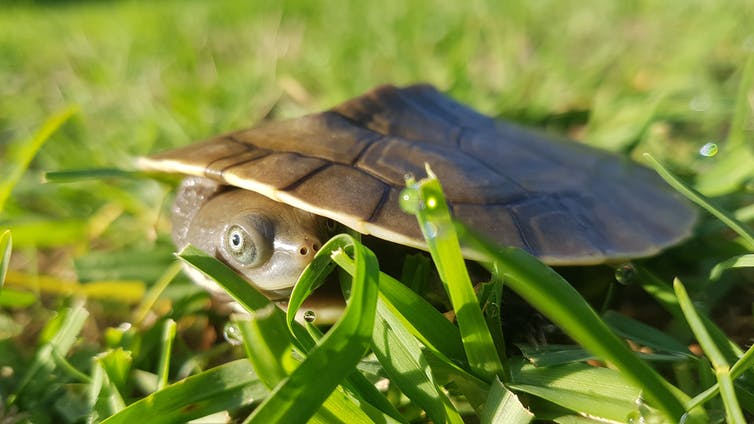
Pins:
x: 96, y: 324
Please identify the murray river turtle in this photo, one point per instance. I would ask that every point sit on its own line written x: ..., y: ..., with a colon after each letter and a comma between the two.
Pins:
x: 261, y: 199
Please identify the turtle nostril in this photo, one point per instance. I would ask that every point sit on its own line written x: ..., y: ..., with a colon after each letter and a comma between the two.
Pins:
x: 303, y: 251
x: 316, y: 246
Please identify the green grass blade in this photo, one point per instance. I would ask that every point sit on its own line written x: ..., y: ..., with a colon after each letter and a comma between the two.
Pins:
x: 719, y: 362
x: 547, y: 291
x: 267, y: 345
x: 503, y: 406
x: 238, y: 288
x: 228, y: 386
x: 645, y: 335
x: 90, y: 174
x: 743, y: 261
x: 593, y: 391
x: 424, y: 321
x: 166, y: 346
x: 6, y: 246
x: 26, y: 150
x: 426, y: 200
x: 402, y: 358
x: 698, y: 198
x: 298, y: 397
x: 70, y: 324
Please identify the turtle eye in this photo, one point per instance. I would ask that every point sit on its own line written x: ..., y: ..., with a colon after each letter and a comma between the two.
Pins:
x: 240, y: 245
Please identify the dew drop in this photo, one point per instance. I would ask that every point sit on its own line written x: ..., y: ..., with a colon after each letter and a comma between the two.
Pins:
x: 409, y: 200
x: 310, y: 316
x: 232, y: 334
x: 430, y: 230
x: 124, y: 326
x: 625, y: 274
x: 708, y: 150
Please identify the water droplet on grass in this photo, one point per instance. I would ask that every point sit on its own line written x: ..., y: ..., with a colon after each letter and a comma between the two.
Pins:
x: 232, y: 334
x: 709, y: 149
x: 430, y: 230
x: 310, y: 316
x: 409, y: 200
x: 625, y: 274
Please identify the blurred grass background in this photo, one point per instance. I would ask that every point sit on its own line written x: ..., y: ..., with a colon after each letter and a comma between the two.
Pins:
x: 628, y: 76
x: 632, y: 77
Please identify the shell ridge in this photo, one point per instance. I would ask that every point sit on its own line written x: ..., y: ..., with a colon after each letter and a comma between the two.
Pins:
x: 381, y: 203
x: 306, y: 176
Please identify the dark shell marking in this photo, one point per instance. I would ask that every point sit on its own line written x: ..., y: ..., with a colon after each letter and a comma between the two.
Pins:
x: 562, y: 201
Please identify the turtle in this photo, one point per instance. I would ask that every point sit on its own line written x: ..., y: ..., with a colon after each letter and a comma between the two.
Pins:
x: 264, y: 199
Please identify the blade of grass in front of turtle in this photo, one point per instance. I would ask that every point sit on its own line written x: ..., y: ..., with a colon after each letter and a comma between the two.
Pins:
x: 330, y: 254
x: 268, y: 347
x: 24, y: 152
x: 250, y: 298
x: 720, y: 364
x: 298, y: 397
x: 426, y: 200
x: 701, y: 200
x: 547, y: 291
x: 431, y: 328
x: 229, y: 386
x: 6, y: 246
x: 402, y: 358
x: 593, y: 391
x: 503, y: 406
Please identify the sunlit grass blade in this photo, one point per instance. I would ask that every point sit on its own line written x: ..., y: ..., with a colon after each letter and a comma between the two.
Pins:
x: 402, y: 357
x: 592, y: 391
x: 335, y: 357
x: 503, y: 406
x: 267, y: 345
x: 237, y: 287
x: 719, y: 362
x: 24, y: 152
x: 433, y: 330
x: 547, y: 291
x: 228, y: 386
x: 743, y: 261
x: 701, y: 200
x: 6, y: 246
x: 745, y: 363
x: 426, y: 200
x: 424, y: 321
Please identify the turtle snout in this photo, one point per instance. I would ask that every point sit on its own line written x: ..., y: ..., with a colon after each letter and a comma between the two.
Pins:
x: 309, y: 248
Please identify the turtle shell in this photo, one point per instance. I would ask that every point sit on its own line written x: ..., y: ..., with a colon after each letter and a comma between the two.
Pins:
x: 562, y: 201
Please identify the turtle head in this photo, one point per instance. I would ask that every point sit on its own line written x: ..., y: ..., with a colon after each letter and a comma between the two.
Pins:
x: 267, y: 242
